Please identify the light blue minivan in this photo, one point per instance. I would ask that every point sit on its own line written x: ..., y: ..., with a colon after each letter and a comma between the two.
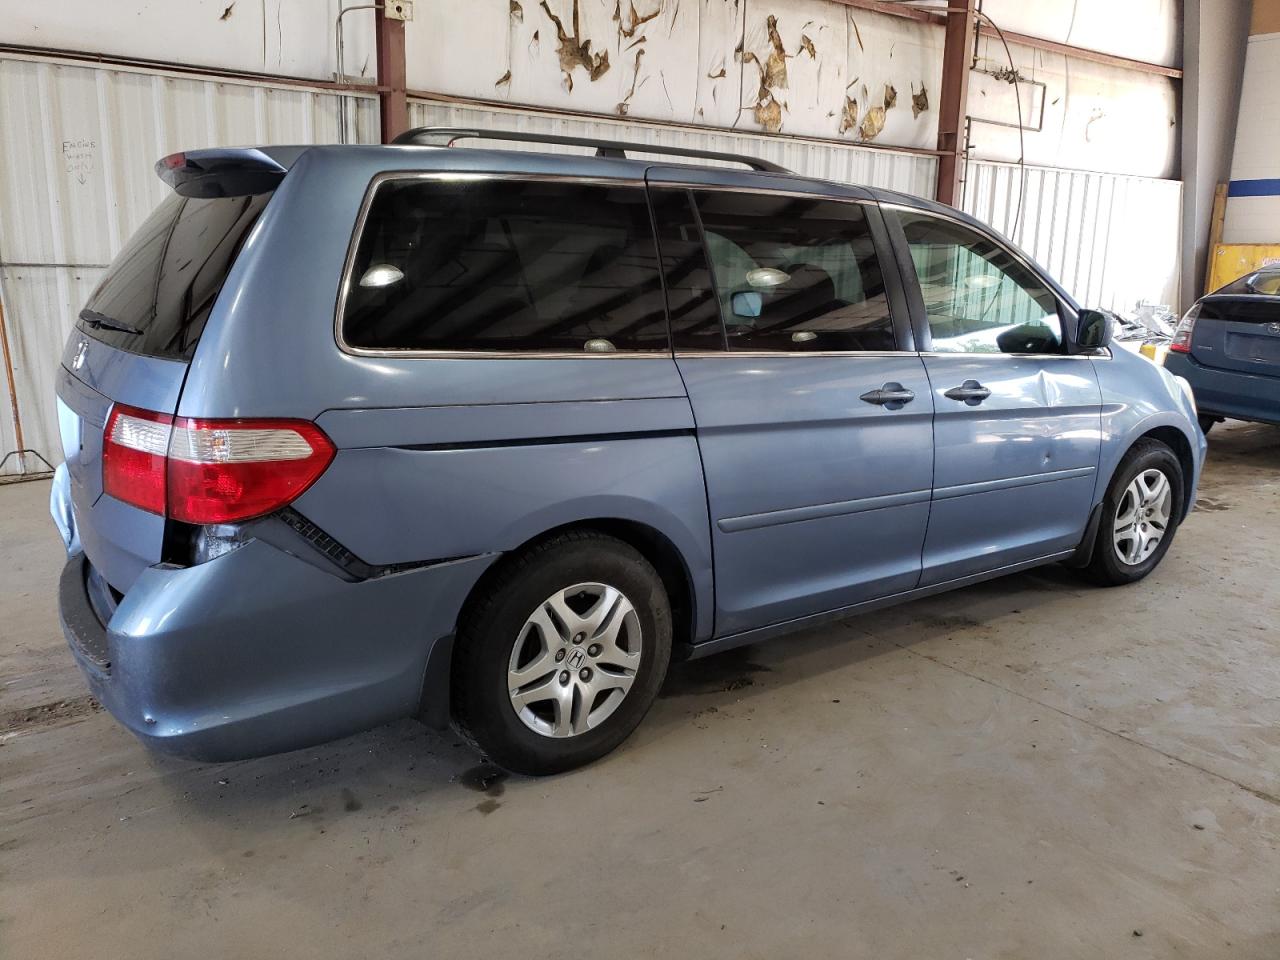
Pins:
x: 358, y: 433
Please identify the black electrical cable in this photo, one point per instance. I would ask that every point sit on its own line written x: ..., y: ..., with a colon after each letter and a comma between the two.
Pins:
x: 1017, y: 93
x: 1022, y: 143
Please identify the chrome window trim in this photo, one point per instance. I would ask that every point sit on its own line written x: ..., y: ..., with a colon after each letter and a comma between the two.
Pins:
x: 762, y: 354
x: 757, y: 191
x: 1013, y: 356
x: 357, y: 232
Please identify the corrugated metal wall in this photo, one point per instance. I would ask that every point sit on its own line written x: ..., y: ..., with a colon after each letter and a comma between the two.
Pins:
x: 1111, y: 240
x: 76, y: 179
x: 908, y: 172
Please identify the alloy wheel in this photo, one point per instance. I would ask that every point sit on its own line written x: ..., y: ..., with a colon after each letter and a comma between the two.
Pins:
x: 1142, y: 516
x: 574, y: 660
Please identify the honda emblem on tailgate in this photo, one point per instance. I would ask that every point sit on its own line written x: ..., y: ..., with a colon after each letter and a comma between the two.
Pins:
x: 1273, y: 328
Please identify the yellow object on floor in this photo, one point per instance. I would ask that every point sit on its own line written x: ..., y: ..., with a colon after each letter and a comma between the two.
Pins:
x: 1155, y: 352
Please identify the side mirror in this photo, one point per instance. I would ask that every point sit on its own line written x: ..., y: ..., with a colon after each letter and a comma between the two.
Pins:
x: 1094, y: 330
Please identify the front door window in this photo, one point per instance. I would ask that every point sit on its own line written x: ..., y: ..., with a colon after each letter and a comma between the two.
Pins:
x: 978, y: 298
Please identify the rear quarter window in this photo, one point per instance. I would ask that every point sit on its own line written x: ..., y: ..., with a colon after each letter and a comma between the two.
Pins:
x: 457, y: 265
x: 157, y: 294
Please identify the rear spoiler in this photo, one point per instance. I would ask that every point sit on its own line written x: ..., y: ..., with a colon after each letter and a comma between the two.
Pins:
x: 226, y: 171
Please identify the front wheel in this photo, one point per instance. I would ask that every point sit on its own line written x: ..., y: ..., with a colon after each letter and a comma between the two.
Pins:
x: 562, y: 655
x: 1140, y: 515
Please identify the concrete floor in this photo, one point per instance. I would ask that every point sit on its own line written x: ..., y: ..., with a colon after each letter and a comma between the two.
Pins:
x: 1028, y: 768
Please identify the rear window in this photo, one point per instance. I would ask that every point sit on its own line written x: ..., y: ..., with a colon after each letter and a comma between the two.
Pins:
x: 505, y: 265
x: 157, y: 294
x: 1265, y: 282
x: 1239, y: 310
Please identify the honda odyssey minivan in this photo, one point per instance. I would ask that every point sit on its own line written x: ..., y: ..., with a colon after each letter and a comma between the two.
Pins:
x: 354, y: 433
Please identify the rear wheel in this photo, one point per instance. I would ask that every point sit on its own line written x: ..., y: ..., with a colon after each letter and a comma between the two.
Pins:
x: 563, y: 654
x: 1206, y: 423
x: 1140, y: 515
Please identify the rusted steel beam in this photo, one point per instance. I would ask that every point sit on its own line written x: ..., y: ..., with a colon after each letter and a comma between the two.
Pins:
x: 934, y: 15
x: 393, y: 102
x: 1081, y: 53
x: 905, y: 10
x: 957, y: 54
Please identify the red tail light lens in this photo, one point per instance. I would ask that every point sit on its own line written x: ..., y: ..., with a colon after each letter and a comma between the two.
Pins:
x: 210, y: 471
x: 134, y: 446
x: 225, y: 470
x: 1181, y: 342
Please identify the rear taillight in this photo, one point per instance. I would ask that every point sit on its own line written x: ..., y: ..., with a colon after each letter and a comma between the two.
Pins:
x: 210, y: 471
x: 1181, y: 342
x: 134, y: 447
x: 224, y: 470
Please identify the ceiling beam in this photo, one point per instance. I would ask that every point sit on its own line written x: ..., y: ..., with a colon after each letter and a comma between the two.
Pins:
x: 935, y: 15
x: 1081, y: 53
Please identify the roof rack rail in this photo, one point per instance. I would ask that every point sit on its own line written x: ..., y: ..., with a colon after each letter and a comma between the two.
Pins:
x: 424, y: 136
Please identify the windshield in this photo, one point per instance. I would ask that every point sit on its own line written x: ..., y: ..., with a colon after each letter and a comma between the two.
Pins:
x: 157, y: 294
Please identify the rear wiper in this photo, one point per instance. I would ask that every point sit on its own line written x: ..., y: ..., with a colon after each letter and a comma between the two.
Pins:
x: 101, y: 320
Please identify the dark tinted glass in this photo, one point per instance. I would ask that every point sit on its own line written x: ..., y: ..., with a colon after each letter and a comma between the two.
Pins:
x: 978, y: 298
x: 487, y: 265
x: 164, y: 282
x: 1244, y: 309
x: 795, y: 273
x: 1265, y: 282
x: 691, y: 293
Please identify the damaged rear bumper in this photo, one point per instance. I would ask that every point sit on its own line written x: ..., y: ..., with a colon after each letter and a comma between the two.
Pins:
x: 258, y: 652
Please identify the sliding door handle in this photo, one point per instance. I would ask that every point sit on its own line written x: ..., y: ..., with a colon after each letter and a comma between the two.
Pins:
x: 971, y: 393
x: 892, y: 396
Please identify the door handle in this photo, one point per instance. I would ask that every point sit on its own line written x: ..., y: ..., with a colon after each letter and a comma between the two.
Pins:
x: 892, y: 396
x: 971, y: 393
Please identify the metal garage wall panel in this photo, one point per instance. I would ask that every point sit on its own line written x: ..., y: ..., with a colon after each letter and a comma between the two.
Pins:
x: 292, y: 38
x: 809, y: 68
x: 45, y: 299
x: 76, y: 179
x: 1138, y: 29
x: 908, y: 172
x: 1110, y: 240
x: 816, y: 68
x: 80, y: 142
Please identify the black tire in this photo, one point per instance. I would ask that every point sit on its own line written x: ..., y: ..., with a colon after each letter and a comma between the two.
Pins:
x: 482, y: 704
x: 1206, y: 423
x: 1105, y: 567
